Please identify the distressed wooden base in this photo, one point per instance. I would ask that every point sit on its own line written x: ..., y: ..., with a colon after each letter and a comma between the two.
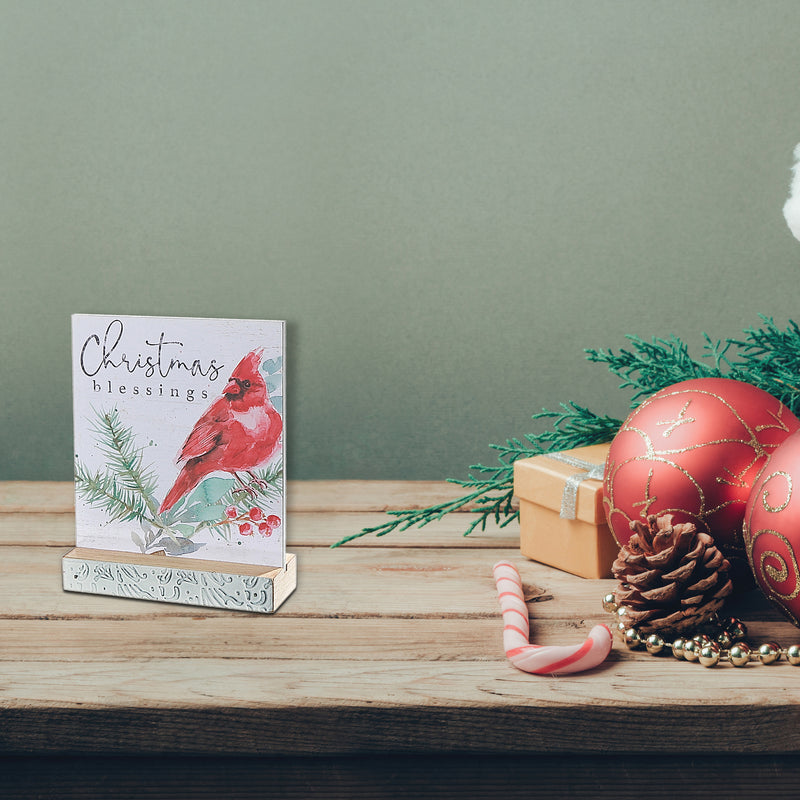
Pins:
x: 194, y: 582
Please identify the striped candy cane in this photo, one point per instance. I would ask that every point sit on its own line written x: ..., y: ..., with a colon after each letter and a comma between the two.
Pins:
x: 541, y: 659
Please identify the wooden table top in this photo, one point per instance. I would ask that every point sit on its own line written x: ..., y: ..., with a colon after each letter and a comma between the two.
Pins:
x: 387, y: 646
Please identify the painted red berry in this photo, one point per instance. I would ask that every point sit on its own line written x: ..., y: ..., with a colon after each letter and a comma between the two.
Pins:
x: 255, y: 514
x: 231, y: 512
x: 245, y: 529
x: 264, y: 529
x: 273, y: 521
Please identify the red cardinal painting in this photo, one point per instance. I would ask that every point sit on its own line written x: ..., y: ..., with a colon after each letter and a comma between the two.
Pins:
x: 237, y: 433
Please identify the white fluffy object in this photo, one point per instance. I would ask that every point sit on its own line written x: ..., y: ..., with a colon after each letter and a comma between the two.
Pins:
x: 791, y: 209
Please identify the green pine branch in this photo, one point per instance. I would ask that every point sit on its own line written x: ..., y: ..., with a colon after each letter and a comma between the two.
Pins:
x: 118, y: 444
x: 491, y: 487
x: 125, y: 489
x: 272, y: 476
x: 651, y: 366
x: 572, y: 426
x: 767, y: 357
x: 103, y: 491
x: 272, y: 479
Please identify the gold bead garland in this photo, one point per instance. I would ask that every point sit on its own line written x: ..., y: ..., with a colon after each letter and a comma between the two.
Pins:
x: 726, y: 645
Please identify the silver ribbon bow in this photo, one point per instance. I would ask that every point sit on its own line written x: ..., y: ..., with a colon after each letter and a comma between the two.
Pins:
x: 569, y: 499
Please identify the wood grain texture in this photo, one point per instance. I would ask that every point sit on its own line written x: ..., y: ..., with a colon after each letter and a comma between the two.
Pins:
x: 233, y: 721
x: 304, y: 528
x: 37, y: 497
x: 329, y: 496
x: 389, y: 648
x: 359, y: 582
x: 330, y: 684
x: 368, y: 639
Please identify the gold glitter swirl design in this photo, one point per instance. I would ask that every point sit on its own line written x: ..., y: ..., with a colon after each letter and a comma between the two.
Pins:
x: 765, y: 492
x: 772, y: 574
x: 667, y: 456
x: 778, y: 575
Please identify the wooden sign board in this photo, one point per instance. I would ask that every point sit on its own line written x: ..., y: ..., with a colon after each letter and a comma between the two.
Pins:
x: 179, y: 461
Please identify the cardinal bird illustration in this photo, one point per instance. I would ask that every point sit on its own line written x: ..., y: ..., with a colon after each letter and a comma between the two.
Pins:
x: 238, y: 432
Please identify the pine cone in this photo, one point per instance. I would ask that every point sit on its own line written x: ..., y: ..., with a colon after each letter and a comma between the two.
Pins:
x: 672, y: 577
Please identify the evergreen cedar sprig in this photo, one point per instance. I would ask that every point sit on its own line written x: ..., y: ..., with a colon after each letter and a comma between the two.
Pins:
x: 492, y: 491
x: 652, y: 366
x: 767, y: 357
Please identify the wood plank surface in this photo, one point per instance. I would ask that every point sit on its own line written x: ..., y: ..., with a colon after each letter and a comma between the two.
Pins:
x: 56, y: 497
x: 366, y: 582
x: 328, y: 684
x: 304, y: 528
x: 390, y: 647
x: 359, y: 582
x: 205, y: 705
x: 348, y: 639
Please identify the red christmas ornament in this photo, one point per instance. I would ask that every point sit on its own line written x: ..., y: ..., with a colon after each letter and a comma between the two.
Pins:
x: 694, y: 450
x: 772, y: 528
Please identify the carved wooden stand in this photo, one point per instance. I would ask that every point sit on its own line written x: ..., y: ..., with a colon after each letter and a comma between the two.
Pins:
x: 194, y: 582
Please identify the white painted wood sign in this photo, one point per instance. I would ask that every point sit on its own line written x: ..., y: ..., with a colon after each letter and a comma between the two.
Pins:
x: 179, y: 459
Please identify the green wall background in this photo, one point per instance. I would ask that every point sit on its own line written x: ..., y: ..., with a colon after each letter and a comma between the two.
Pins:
x: 447, y: 201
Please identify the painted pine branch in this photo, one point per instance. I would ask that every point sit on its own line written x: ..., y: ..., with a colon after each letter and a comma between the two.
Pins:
x: 271, y: 477
x: 125, y: 460
x: 102, y: 491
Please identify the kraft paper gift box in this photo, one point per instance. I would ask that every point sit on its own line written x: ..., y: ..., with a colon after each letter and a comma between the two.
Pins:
x: 562, y: 521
